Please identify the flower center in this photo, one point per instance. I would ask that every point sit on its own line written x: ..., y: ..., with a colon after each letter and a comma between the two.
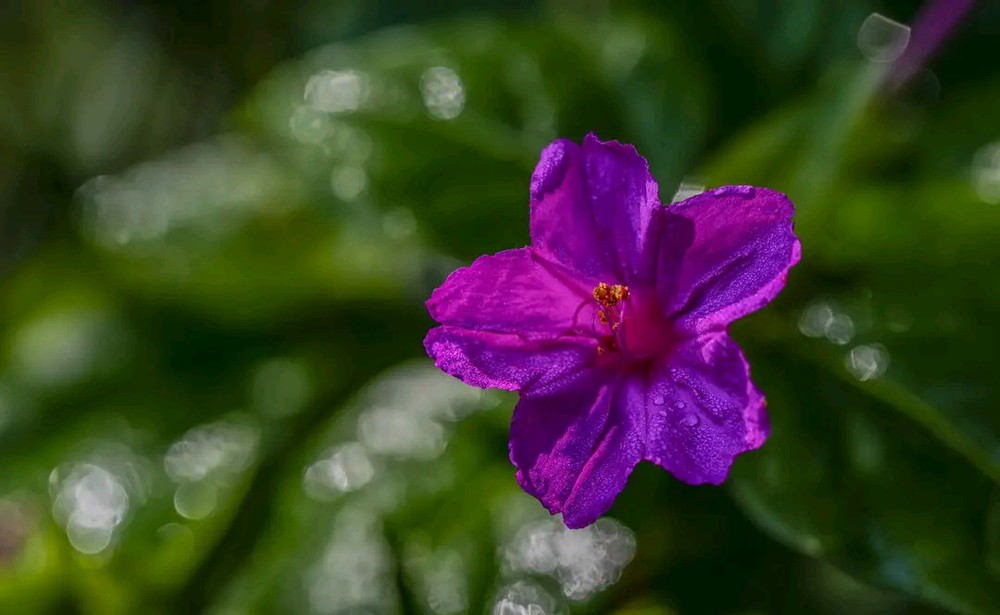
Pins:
x: 609, y: 296
x: 629, y: 325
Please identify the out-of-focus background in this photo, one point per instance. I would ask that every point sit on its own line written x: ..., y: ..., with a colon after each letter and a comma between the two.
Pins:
x: 219, y: 221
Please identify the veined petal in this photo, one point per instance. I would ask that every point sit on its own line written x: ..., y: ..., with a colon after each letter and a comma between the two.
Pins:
x: 703, y: 410
x: 575, y: 447
x: 590, y: 209
x: 724, y: 253
x: 514, y: 291
x: 506, y: 361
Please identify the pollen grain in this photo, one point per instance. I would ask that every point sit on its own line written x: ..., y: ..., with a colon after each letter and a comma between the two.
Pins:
x: 610, y: 295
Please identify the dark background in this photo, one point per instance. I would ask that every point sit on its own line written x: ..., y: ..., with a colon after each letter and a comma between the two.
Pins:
x: 219, y: 221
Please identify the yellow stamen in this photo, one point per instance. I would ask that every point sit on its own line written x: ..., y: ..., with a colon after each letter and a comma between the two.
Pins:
x: 610, y: 295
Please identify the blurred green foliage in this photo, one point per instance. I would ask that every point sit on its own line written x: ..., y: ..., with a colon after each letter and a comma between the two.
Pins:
x: 219, y: 222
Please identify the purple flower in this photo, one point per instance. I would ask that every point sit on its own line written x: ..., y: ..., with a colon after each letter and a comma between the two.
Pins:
x: 612, y: 326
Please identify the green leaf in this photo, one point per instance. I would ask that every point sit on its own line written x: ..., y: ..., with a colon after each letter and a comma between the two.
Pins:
x: 447, y: 122
x: 847, y: 481
x: 885, y: 444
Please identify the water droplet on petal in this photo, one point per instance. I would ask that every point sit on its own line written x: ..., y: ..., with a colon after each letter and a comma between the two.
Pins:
x: 679, y: 405
x: 690, y: 420
x: 658, y: 400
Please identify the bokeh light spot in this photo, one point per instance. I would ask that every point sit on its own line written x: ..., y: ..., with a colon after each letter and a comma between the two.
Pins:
x: 216, y: 450
x: 986, y: 173
x: 583, y: 561
x: 90, y: 502
x: 354, y: 572
x: 334, y: 91
x: 345, y: 468
x: 524, y: 598
x: 444, y: 94
x: 348, y: 182
x: 882, y: 39
x: 688, y: 188
x: 867, y: 361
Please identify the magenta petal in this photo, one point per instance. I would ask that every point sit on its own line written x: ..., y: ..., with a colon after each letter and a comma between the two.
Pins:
x: 513, y: 291
x: 731, y: 252
x: 506, y: 361
x: 591, y: 206
x: 703, y: 410
x: 575, y: 448
x: 562, y: 225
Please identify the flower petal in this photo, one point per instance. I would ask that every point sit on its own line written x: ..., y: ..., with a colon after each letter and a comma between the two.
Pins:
x: 507, y: 361
x: 575, y: 448
x: 703, y: 410
x: 514, y: 291
x: 723, y: 254
x: 591, y: 206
